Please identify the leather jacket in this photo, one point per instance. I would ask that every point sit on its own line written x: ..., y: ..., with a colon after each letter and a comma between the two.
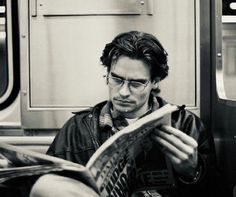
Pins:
x: 80, y: 138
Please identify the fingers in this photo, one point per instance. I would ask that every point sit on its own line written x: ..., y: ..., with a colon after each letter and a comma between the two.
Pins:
x: 180, y: 148
x: 173, y: 158
x: 178, y: 134
x: 174, y: 144
x: 184, y: 167
x: 169, y: 148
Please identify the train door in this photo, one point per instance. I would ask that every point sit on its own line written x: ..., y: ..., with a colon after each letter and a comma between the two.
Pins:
x: 61, y: 43
x: 223, y: 107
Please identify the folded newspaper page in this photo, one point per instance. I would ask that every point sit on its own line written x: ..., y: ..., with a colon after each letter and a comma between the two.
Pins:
x: 119, y: 165
x: 22, y: 162
x: 128, y: 161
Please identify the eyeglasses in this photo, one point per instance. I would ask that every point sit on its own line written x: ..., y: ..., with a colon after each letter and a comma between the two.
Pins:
x: 134, y: 86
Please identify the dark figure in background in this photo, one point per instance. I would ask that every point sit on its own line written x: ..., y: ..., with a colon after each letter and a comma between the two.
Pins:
x: 136, y: 62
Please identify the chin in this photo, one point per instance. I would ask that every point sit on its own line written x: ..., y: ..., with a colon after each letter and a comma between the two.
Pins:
x: 122, y: 109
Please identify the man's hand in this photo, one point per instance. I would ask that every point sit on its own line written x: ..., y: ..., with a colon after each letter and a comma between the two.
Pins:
x: 180, y: 148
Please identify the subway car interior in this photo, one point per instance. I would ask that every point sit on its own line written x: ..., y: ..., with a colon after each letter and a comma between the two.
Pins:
x: 50, y: 67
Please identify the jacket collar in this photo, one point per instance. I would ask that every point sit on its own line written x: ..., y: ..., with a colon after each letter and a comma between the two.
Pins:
x: 107, y: 119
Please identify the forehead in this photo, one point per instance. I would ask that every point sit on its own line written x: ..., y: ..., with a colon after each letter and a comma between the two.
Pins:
x: 129, y: 68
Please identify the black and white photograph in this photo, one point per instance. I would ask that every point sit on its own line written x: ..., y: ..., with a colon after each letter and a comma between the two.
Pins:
x: 117, y: 98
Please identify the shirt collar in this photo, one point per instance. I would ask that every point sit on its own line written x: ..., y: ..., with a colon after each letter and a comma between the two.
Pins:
x: 107, y: 119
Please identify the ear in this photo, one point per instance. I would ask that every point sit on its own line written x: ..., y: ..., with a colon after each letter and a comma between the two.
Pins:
x: 107, y: 79
x: 155, y: 85
x: 156, y: 82
x: 106, y: 76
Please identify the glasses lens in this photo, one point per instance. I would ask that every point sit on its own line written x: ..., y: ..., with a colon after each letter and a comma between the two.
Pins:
x: 136, y: 86
x: 114, y: 81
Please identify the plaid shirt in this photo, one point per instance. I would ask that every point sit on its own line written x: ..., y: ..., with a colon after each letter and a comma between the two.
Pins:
x: 110, y: 123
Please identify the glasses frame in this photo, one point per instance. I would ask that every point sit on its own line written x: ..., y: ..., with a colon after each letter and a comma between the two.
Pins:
x: 129, y: 83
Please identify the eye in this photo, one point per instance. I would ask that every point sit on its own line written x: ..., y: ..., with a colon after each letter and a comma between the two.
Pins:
x: 117, y: 80
x: 136, y: 84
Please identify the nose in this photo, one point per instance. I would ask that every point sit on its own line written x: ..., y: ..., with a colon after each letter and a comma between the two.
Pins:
x: 124, y: 90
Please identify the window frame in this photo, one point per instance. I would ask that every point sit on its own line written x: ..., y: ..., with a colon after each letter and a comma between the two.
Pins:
x: 12, y: 55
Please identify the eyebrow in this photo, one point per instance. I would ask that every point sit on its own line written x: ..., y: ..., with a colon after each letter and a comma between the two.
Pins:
x: 138, y: 80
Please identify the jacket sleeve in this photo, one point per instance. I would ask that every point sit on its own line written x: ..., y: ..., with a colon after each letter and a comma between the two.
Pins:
x: 193, y: 126
x: 73, y: 142
x: 61, y: 144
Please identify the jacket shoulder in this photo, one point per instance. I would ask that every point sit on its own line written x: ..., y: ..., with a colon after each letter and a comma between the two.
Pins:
x: 90, y: 109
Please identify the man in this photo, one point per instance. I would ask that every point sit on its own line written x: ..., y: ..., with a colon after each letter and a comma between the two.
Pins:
x: 136, y: 62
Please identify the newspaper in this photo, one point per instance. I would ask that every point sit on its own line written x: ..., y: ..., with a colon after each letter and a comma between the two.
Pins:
x: 22, y: 162
x: 114, y: 169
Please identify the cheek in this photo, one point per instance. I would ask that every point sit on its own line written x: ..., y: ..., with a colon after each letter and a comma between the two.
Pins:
x: 112, y: 93
x: 144, y: 96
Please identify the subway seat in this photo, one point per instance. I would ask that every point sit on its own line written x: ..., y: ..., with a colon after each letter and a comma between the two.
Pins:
x: 35, y: 143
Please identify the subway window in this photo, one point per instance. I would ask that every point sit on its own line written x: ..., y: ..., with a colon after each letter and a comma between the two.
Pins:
x: 9, y: 53
x: 3, y: 50
x: 229, y: 47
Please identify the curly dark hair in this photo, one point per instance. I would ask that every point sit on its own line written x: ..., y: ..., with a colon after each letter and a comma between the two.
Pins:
x: 137, y: 45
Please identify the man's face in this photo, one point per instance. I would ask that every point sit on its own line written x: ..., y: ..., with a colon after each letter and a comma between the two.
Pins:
x: 127, y: 98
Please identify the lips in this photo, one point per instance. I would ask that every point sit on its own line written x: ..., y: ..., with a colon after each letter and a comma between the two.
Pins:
x: 124, y: 102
